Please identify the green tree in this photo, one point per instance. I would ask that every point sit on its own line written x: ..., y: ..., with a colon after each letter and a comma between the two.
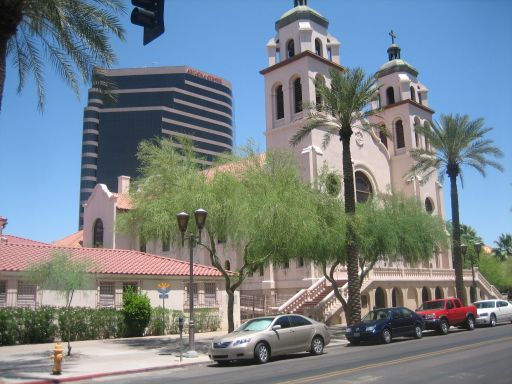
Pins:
x: 136, y: 312
x: 504, y: 246
x: 457, y: 141
x: 389, y: 227
x: 66, y: 33
x: 63, y: 274
x: 343, y: 104
x: 257, y: 205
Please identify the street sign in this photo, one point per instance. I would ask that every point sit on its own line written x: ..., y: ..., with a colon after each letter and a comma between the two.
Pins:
x: 164, y: 287
x: 163, y: 296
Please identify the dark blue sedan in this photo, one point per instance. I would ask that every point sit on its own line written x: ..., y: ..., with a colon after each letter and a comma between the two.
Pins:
x: 381, y: 325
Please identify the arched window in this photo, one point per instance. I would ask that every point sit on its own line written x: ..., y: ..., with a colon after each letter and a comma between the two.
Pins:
x: 425, y: 295
x: 399, y: 134
x: 427, y: 144
x: 380, y: 298
x: 278, y: 55
x: 429, y: 206
x: 394, y: 297
x: 439, y: 293
x: 383, y: 137
x: 279, y: 103
x: 318, y: 47
x: 390, y: 93
x: 363, y: 187
x: 319, y: 81
x: 416, y: 134
x: 297, y: 95
x: 97, y: 234
x: 329, y: 53
x: 290, y: 49
x: 227, y: 265
x: 413, y: 94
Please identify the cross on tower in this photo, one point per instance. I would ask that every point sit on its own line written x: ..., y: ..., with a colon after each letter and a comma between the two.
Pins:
x: 393, y: 36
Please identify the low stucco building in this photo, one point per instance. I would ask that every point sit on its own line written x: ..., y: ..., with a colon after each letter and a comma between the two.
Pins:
x: 111, y: 271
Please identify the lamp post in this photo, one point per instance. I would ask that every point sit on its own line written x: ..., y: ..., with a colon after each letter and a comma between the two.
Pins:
x: 463, y: 250
x: 200, y: 217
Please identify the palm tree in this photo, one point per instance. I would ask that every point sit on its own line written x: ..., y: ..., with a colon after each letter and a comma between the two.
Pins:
x: 66, y: 33
x: 456, y: 142
x: 342, y: 104
x: 504, y: 248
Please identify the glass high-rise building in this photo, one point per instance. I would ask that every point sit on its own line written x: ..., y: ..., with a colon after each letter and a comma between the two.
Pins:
x: 178, y: 102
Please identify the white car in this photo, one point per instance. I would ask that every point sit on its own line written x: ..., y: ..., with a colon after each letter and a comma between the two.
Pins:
x: 491, y: 312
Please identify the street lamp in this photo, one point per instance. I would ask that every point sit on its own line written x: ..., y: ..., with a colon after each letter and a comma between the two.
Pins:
x: 200, y: 217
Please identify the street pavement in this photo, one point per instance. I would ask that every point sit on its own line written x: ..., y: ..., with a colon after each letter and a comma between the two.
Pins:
x: 33, y: 363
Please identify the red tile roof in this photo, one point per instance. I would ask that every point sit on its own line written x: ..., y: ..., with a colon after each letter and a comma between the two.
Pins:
x: 17, y: 257
x: 123, y: 201
x: 20, y: 240
x: 75, y: 240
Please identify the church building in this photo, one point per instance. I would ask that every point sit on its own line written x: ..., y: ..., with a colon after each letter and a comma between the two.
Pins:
x: 301, y: 53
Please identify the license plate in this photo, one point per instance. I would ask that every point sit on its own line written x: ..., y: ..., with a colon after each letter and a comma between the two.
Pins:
x: 357, y: 334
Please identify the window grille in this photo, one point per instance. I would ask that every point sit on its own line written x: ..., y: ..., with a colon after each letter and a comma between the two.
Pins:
x: 26, y: 295
x: 107, y: 294
x: 3, y: 294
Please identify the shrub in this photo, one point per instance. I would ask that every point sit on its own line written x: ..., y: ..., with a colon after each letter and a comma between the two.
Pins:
x: 137, y: 313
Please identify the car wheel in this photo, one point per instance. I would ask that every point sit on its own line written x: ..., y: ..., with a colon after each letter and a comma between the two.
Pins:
x: 317, y: 346
x: 386, y: 336
x: 443, y: 327
x: 262, y: 353
x: 492, y: 321
x: 470, y: 323
x: 418, y: 332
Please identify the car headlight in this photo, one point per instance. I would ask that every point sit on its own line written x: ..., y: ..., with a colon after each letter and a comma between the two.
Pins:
x: 432, y: 316
x: 348, y: 330
x: 485, y: 314
x: 370, y: 328
x: 241, y: 341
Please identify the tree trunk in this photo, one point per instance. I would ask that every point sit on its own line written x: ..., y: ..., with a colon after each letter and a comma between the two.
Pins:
x: 354, y: 292
x: 10, y: 18
x: 231, y: 304
x: 457, y: 258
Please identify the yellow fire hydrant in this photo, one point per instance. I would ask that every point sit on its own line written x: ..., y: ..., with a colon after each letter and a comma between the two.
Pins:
x: 57, y: 359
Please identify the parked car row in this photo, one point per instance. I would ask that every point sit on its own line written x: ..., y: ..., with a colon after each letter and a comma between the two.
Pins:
x: 260, y: 338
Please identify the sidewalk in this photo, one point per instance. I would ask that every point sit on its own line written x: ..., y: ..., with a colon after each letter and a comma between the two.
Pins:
x: 96, y: 358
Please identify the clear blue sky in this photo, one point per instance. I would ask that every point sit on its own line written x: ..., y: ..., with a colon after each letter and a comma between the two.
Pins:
x: 462, y: 49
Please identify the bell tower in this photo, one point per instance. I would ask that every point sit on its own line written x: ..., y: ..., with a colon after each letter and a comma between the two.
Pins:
x: 404, y: 103
x: 301, y: 52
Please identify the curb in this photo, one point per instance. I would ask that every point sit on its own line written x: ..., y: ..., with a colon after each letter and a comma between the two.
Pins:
x: 115, y: 373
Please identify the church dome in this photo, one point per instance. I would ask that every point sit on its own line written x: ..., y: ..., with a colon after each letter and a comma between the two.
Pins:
x: 301, y: 11
x: 395, y: 63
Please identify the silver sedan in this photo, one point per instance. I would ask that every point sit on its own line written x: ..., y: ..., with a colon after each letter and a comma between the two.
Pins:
x: 267, y: 336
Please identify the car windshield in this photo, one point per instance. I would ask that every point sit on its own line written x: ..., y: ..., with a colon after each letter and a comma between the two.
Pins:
x: 485, y: 304
x: 431, y: 305
x: 255, y: 324
x: 379, y: 314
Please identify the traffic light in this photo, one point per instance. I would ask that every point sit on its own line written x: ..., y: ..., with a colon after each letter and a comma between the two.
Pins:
x: 150, y: 15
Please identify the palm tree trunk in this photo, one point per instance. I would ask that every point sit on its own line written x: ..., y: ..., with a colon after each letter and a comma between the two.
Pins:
x: 10, y: 18
x: 354, y: 292
x: 457, y: 259
x: 3, y: 54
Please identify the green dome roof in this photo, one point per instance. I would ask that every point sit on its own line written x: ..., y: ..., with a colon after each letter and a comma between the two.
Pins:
x: 301, y: 12
x: 397, y: 65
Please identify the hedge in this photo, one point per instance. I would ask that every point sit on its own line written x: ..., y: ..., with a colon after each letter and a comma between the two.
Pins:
x: 45, y: 324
